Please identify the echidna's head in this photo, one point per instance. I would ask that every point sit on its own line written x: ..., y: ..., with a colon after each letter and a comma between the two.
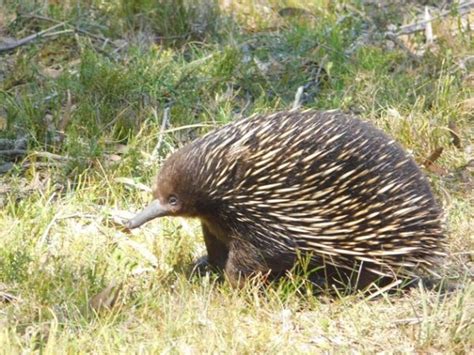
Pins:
x: 175, y: 192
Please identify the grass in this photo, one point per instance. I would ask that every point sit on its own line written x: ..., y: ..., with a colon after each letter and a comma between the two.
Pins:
x: 98, y: 105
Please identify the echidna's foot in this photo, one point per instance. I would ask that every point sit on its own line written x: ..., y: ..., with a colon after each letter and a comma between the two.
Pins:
x: 244, y: 263
x: 235, y: 275
x: 240, y: 279
x: 202, y: 267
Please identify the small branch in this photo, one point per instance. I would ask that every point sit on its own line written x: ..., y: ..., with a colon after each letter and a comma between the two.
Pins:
x: 428, y: 27
x: 195, y: 125
x: 430, y: 164
x: 57, y: 33
x: 21, y: 152
x: 52, y: 164
x: 74, y: 28
x: 410, y: 321
x: 315, y: 81
x: 454, y: 131
x: 298, y: 95
x: 119, y: 47
x: 463, y: 9
x: 433, y: 156
x: 6, y: 297
x: 383, y: 289
x: 28, y: 39
x: 55, y: 160
x: 51, y: 156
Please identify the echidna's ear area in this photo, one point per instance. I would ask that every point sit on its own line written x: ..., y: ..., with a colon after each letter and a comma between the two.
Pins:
x: 177, y: 178
x: 168, y: 177
x: 188, y: 173
x: 322, y: 182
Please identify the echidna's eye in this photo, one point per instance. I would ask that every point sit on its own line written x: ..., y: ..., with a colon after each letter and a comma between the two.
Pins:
x: 173, y: 200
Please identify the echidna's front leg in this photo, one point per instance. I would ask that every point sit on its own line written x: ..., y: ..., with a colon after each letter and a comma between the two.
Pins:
x: 217, y: 251
x: 243, y: 262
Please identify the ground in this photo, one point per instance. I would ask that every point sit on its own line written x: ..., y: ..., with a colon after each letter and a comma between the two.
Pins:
x: 89, y: 109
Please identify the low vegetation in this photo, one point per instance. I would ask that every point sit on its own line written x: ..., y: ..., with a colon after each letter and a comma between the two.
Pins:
x: 91, y: 106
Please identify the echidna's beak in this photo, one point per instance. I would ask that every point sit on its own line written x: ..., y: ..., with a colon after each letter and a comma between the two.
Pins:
x: 153, y: 210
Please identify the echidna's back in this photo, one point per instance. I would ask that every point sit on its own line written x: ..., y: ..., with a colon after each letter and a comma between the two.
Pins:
x: 327, y: 183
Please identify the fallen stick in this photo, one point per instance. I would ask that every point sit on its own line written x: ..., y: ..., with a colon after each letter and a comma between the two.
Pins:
x: 298, y: 95
x: 190, y: 126
x: 49, y: 155
x: 463, y: 9
x: 13, y: 152
x: 75, y: 28
x: 21, y: 152
x: 21, y: 42
x: 428, y: 27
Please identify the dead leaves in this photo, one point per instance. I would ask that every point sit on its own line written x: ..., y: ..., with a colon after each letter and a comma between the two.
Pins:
x: 6, y: 296
x: 454, y: 131
x: 52, y: 72
x: 430, y: 165
x: 107, y: 298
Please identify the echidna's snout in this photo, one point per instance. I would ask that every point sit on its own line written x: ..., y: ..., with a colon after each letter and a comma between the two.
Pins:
x: 154, y: 210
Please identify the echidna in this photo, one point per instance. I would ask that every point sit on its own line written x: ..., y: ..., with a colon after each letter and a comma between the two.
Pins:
x: 326, y: 185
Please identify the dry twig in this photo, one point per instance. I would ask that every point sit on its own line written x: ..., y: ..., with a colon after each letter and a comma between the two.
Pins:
x: 21, y: 42
x: 298, y: 95
x: 454, y: 131
x: 464, y: 8
x: 383, y: 289
x: 75, y: 28
x: 428, y: 27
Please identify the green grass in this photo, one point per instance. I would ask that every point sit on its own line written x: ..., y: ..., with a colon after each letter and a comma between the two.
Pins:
x: 99, y: 105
